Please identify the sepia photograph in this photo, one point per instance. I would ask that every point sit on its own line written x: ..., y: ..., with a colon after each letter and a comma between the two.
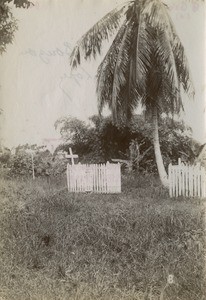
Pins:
x: 102, y: 150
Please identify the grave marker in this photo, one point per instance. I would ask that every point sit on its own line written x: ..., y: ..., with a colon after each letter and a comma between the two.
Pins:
x: 30, y: 151
x: 71, y: 156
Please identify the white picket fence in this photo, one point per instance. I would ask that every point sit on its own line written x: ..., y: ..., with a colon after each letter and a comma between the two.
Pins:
x: 97, y: 178
x: 187, y: 180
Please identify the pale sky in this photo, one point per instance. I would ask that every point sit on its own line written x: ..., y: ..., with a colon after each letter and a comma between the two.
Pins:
x: 36, y: 85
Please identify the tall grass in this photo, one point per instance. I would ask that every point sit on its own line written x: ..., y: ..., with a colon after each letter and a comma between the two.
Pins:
x: 56, y: 245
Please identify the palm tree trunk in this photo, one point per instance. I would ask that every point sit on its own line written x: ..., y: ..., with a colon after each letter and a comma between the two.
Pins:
x: 158, y: 156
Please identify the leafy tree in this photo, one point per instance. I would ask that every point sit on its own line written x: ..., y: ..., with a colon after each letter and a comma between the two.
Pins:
x: 111, y: 141
x: 71, y: 129
x: 97, y: 142
x: 103, y: 141
x: 175, y: 138
x: 8, y: 24
x: 145, y: 64
x: 74, y: 133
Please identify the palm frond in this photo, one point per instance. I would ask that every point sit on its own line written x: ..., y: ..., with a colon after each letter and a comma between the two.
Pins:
x: 154, y: 13
x: 182, y: 65
x: 171, y: 57
x: 134, y: 90
x: 159, y: 18
x: 116, y: 85
x: 91, y: 42
x: 145, y: 63
x: 164, y: 53
x: 144, y: 53
x: 168, y: 101
x: 106, y: 70
x: 121, y: 67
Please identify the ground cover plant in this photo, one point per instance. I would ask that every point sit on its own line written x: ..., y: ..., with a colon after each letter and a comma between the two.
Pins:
x: 56, y: 245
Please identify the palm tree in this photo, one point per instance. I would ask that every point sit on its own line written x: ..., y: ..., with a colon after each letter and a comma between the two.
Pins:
x: 145, y: 64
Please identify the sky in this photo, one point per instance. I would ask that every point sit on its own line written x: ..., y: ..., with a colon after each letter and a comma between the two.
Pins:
x: 36, y: 83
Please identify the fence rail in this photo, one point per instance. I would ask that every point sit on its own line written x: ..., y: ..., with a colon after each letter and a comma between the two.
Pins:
x: 98, y: 178
x: 187, y: 181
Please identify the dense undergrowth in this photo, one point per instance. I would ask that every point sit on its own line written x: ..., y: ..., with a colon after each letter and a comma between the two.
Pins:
x: 56, y: 245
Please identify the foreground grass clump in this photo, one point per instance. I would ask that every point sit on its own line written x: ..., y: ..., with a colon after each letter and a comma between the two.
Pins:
x: 56, y: 245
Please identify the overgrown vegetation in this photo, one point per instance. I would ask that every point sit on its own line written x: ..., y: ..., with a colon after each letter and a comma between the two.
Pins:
x: 102, y: 141
x: 56, y: 245
x: 20, y: 163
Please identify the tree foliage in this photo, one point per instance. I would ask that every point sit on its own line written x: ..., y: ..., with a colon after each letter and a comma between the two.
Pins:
x: 102, y: 140
x: 20, y: 163
x: 146, y: 62
x: 8, y: 24
x: 145, y: 65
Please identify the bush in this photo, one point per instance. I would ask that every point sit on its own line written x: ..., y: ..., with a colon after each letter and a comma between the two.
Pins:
x: 102, y: 141
x: 44, y: 165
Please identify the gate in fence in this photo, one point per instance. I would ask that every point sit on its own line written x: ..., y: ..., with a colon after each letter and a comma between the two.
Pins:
x: 97, y: 178
x: 186, y: 180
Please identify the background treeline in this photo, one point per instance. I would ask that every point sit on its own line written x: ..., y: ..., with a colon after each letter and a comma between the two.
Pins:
x: 100, y: 141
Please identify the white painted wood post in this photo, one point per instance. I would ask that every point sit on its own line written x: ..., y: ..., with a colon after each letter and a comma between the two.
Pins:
x: 30, y: 151
x: 32, y: 161
x: 170, y: 180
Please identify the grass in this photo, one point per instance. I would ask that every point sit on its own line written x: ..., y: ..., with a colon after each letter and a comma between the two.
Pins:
x: 56, y: 245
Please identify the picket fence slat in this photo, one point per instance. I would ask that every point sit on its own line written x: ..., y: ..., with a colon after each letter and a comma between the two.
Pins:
x: 185, y: 180
x: 98, y: 178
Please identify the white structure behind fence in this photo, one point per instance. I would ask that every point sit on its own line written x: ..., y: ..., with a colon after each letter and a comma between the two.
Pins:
x: 186, y: 180
x: 98, y: 178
